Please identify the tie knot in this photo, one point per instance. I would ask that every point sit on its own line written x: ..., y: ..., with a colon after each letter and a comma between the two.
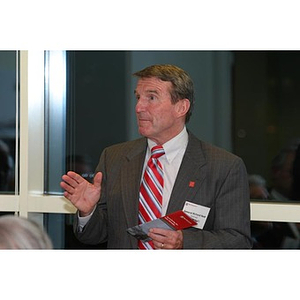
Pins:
x: 157, y: 151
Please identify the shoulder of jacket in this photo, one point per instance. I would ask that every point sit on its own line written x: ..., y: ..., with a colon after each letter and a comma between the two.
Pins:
x: 211, y: 151
x: 127, y: 147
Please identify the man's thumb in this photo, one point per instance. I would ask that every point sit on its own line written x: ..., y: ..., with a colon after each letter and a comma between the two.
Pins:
x: 98, y: 179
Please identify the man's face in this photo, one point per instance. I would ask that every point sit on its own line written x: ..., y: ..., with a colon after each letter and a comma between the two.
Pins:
x: 158, y: 119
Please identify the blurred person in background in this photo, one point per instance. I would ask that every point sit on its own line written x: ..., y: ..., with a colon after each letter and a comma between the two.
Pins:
x: 258, y: 187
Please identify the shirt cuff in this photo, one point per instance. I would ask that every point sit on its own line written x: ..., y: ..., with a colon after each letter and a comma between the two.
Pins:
x: 82, y: 221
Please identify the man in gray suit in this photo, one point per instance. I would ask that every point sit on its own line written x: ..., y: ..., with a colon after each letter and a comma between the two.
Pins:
x: 195, y: 172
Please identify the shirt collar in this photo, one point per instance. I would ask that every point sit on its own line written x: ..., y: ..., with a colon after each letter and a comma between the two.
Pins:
x: 173, y: 146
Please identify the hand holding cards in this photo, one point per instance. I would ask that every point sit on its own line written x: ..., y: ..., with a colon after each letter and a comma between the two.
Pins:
x: 174, y: 221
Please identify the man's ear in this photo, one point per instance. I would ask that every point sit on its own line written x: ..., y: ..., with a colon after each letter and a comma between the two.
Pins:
x: 182, y: 107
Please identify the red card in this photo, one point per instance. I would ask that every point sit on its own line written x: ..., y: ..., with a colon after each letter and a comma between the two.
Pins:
x: 179, y: 220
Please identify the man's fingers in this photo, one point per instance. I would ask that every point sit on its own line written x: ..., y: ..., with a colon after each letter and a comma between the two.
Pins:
x: 76, y: 177
x: 164, y: 238
x: 68, y: 188
x: 67, y: 195
x: 72, y: 179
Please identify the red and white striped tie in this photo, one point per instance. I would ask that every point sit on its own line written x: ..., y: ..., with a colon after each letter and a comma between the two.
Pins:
x: 150, y: 199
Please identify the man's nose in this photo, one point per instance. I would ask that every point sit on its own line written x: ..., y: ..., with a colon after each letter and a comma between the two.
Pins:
x: 140, y: 105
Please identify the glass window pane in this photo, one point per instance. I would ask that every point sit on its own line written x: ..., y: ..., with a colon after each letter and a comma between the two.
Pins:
x: 55, y: 119
x: 266, y: 119
x: 96, y: 107
x: 9, y: 120
x: 275, y: 235
x: 85, y: 102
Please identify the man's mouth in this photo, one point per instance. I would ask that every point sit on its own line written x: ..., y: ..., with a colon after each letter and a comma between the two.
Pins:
x: 143, y: 119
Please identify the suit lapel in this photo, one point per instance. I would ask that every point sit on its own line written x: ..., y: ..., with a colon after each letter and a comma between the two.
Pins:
x: 190, y: 175
x: 131, y: 172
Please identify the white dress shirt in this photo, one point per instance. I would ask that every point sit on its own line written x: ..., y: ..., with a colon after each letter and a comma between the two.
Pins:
x: 171, y: 161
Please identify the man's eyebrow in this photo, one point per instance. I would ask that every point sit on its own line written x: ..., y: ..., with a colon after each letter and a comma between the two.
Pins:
x: 152, y: 91
x: 147, y: 91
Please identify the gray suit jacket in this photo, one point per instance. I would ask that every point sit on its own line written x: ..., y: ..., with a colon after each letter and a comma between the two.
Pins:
x: 221, y: 183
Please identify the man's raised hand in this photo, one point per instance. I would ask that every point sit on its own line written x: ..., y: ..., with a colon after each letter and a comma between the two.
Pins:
x: 82, y: 194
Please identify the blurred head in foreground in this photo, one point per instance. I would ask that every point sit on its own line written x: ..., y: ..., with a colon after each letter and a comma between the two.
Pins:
x: 21, y: 233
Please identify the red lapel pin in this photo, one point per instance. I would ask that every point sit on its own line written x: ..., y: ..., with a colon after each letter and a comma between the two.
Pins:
x: 192, y: 184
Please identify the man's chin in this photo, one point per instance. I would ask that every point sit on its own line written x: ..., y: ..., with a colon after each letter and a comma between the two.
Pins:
x: 143, y: 131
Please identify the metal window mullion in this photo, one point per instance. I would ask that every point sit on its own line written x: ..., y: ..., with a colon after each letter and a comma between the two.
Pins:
x: 23, y: 192
x: 17, y: 123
